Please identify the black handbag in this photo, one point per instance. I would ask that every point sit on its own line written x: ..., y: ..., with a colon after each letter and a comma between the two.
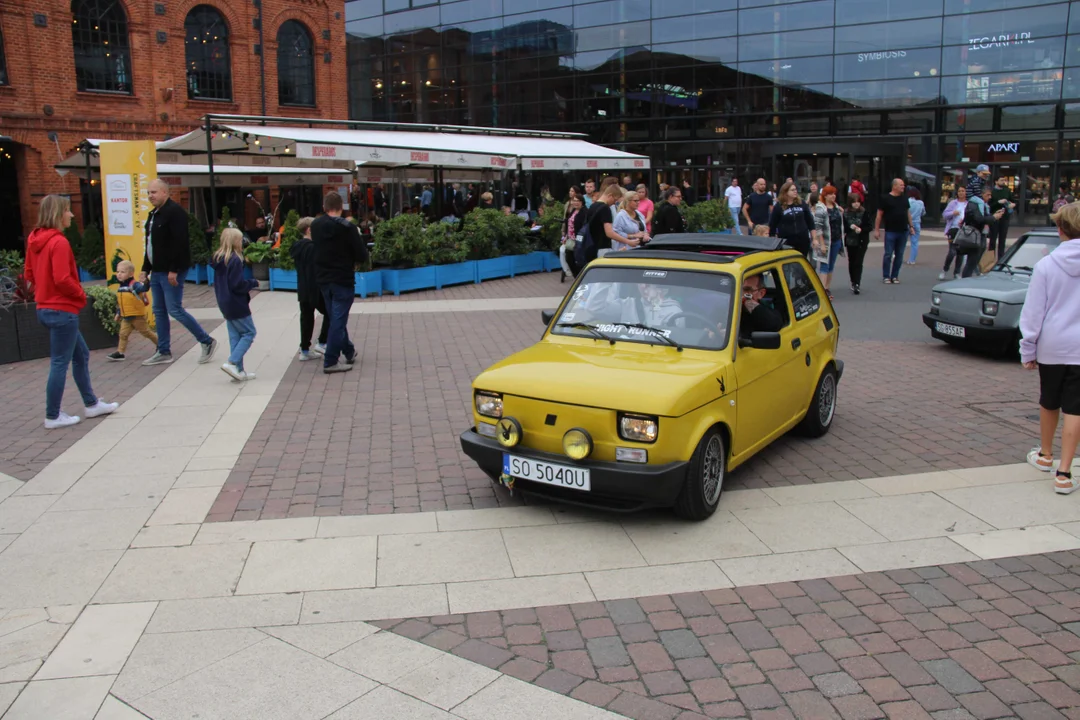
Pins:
x: 968, y: 238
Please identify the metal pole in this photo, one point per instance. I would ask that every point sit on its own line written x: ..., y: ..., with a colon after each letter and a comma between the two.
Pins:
x: 89, y: 181
x: 262, y: 58
x: 210, y: 165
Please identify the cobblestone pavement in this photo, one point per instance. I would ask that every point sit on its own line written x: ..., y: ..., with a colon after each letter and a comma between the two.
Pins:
x: 321, y: 446
x: 25, y: 446
x: 987, y: 639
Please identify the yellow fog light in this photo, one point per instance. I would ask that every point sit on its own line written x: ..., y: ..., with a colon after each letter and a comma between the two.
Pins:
x: 508, y: 432
x: 577, y: 444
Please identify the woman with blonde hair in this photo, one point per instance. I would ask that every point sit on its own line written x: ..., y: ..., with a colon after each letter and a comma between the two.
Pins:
x: 233, y: 290
x: 52, y: 274
x: 630, y: 223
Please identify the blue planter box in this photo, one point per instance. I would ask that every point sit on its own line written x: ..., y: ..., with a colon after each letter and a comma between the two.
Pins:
x: 399, y: 281
x: 455, y: 274
x: 499, y: 267
x: 202, y: 274
x: 209, y: 275
x: 85, y: 276
x: 282, y: 279
x: 369, y: 283
x: 529, y: 263
x: 551, y: 261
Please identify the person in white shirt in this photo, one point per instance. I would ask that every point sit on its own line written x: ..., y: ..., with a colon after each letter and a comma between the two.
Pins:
x: 734, y: 201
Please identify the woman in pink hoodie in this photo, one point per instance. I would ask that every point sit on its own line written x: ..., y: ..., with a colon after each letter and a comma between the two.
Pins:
x: 1051, y: 343
x: 54, y: 278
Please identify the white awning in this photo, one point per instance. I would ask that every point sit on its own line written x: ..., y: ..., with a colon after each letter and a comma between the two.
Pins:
x: 180, y: 175
x: 499, y: 150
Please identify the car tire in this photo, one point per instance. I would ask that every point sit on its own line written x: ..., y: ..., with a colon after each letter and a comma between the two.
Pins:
x: 819, y: 416
x: 704, y: 478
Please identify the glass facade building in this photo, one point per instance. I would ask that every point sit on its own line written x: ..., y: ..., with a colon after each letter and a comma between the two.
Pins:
x: 711, y: 89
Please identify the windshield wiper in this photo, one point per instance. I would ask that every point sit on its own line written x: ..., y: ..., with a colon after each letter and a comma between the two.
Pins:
x: 655, y: 333
x: 591, y: 328
x: 1024, y: 267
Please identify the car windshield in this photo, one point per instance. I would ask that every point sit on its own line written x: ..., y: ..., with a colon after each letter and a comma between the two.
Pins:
x: 1027, y: 251
x: 654, y: 306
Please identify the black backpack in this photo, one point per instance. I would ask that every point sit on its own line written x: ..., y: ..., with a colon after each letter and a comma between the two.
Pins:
x: 585, y: 250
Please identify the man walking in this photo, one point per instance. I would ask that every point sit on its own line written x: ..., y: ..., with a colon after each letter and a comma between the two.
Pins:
x: 1000, y: 199
x: 167, y: 259
x: 896, y: 214
x: 758, y: 206
x: 734, y: 201
x: 338, y: 249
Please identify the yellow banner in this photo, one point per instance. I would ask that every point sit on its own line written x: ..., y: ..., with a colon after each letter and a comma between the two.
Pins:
x: 126, y: 171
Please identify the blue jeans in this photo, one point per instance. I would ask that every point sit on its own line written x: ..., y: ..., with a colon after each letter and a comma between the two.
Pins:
x: 169, y: 301
x: 735, y: 216
x: 894, y: 254
x: 241, y: 335
x: 915, y: 242
x: 834, y: 250
x: 66, y: 347
x: 339, y: 300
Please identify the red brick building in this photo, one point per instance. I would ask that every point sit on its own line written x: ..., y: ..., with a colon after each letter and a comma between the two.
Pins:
x: 150, y: 69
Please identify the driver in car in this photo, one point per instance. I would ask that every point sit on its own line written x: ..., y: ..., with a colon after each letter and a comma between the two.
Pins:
x: 757, y: 317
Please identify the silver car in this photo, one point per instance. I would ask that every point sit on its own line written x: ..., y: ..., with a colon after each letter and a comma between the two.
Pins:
x: 984, y: 312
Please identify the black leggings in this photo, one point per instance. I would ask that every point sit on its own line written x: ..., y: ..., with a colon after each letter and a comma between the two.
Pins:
x: 855, y: 256
x: 307, y: 323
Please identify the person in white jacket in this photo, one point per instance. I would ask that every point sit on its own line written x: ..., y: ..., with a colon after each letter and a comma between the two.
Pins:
x: 1051, y: 342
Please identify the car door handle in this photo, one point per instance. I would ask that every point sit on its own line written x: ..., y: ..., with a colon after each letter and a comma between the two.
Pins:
x: 796, y: 344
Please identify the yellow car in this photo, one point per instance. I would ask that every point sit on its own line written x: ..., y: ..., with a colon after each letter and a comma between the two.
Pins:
x: 664, y: 367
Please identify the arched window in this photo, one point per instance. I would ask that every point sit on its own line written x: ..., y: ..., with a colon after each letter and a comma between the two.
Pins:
x: 295, y: 64
x: 206, y: 54
x: 99, y: 34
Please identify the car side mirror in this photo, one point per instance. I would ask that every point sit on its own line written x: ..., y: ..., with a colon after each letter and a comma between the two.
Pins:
x: 761, y: 341
x: 547, y: 316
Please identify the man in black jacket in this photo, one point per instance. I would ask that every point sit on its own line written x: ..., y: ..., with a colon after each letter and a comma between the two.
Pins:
x: 167, y: 259
x: 338, y: 249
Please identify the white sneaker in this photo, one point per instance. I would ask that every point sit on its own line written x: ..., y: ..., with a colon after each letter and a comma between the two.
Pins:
x: 1039, y: 461
x: 101, y: 408
x: 1065, y: 484
x: 305, y: 355
x: 941, y: 276
x: 233, y: 371
x: 249, y: 376
x: 62, y: 420
x: 319, y: 349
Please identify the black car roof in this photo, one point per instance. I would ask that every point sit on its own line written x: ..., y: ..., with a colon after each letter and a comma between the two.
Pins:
x: 700, y: 247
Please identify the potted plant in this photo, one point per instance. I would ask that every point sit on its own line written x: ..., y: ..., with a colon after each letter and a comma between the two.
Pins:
x: 283, y: 273
x: 550, y: 237
x: 200, y: 251
x: 400, y: 243
x: 446, y: 252
x: 711, y: 216
x: 91, y: 257
x: 11, y: 269
x: 260, y: 255
x: 480, y: 233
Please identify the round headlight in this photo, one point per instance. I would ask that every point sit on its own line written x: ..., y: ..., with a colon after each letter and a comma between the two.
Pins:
x: 577, y: 444
x: 508, y: 432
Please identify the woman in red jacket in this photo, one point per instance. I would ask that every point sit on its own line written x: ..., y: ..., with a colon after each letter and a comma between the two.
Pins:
x: 54, y: 277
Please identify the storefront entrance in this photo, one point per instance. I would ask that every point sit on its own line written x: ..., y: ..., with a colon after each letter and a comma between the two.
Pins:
x: 11, y: 235
x: 875, y: 166
x: 1031, y: 185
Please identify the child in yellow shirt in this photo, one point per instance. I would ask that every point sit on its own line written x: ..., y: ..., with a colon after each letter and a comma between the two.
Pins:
x: 130, y: 308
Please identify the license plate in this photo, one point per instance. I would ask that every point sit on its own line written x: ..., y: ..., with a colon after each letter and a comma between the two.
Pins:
x: 947, y: 329
x: 545, y: 472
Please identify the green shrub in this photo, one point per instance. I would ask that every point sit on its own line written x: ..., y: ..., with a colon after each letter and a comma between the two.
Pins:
x: 479, y: 234
x: 708, y: 216
x: 105, y: 306
x: 512, y: 239
x: 225, y: 217
x: 401, y: 242
x: 289, y: 236
x: 260, y: 252
x: 551, y: 224
x: 74, y: 236
x: 12, y: 261
x: 200, y: 252
x: 444, y: 244
x: 119, y: 255
x: 91, y: 255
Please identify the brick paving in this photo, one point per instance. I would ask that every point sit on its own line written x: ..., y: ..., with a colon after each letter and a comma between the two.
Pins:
x: 25, y: 446
x: 383, y: 438
x: 988, y: 639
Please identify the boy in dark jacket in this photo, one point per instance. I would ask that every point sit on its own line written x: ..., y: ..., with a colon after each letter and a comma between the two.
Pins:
x: 338, y: 249
x: 234, y: 300
x: 307, y: 292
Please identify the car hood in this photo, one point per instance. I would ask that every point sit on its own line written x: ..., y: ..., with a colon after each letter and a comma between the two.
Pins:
x: 649, y: 379
x: 997, y: 285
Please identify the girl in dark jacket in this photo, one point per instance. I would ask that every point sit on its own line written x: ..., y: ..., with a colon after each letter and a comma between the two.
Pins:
x: 856, y: 239
x: 791, y: 219
x: 307, y: 293
x: 574, y: 226
x: 233, y: 292
x: 667, y: 218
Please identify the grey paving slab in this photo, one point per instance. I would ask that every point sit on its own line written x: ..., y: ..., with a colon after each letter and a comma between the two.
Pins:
x: 23, y: 651
x: 71, y: 699
x: 226, y: 612
x: 174, y: 573
x: 385, y: 703
x: 322, y: 640
x: 278, y: 681
x: 69, y: 578
x: 313, y: 564
x: 511, y: 699
x: 60, y: 532
x: 99, y: 642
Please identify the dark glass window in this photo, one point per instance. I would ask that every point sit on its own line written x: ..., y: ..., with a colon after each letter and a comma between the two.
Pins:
x: 610, y: 12
x: 802, y: 71
x: 359, y: 9
x: 1028, y: 117
x: 412, y: 20
x: 858, y: 124
x: 914, y: 121
x: 1072, y: 47
x: 206, y: 54
x: 785, y: 45
x: 889, y: 64
x: 1004, y: 87
x: 790, y: 16
x: 1009, y: 27
x: 1072, y: 120
x: 859, y: 11
x: 710, y: 51
x: 694, y: 27
x: 666, y: 8
x: 99, y: 34
x: 959, y: 7
x: 907, y: 92
x: 3, y: 62
x: 889, y: 36
x: 469, y: 10
x: 969, y: 120
x: 613, y: 36
x: 296, y: 64
x: 1029, y: 54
